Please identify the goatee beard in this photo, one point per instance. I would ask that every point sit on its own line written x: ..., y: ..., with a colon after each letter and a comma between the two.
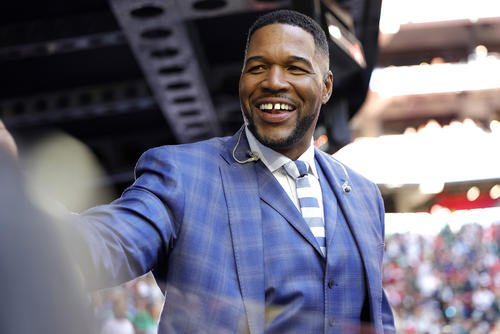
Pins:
x: 301, y: 128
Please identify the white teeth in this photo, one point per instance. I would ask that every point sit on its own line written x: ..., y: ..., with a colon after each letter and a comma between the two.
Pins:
x: 276, y: 106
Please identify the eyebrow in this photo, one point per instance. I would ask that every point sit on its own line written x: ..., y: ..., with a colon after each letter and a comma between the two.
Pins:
x: 254, y: 58
x: 290, y: 58
x: 302, y: 60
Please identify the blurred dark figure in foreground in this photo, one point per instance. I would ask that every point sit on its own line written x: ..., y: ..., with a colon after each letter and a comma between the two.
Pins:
x: 39, y: 286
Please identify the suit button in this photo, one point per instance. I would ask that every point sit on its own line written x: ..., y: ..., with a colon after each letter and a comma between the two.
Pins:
x: 331, y: 284
x: 331, y: 322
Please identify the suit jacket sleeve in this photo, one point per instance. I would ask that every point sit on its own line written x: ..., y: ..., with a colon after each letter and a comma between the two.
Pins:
x: 133, y: 234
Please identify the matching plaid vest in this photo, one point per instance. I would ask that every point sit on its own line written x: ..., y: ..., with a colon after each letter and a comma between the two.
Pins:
x: 313, y: 294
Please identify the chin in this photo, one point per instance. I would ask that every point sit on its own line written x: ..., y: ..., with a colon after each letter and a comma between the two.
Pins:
x: 277, y: 141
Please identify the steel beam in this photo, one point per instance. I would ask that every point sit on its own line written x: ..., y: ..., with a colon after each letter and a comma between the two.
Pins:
x: 75, y: 104
x: 160, y: 42
x: 61, y: 46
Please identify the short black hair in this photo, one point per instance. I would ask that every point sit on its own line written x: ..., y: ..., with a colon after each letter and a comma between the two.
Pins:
x: 294, y: 18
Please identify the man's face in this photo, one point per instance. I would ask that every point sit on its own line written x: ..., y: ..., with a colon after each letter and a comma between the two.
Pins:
x: 283, y: 84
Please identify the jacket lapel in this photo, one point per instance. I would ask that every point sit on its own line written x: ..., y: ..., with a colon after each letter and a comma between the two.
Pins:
x: 243, y: 203
x: 269, y: 189
x: 272, y: 193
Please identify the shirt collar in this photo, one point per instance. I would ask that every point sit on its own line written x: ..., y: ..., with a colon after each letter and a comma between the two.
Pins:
x: 274, y: 160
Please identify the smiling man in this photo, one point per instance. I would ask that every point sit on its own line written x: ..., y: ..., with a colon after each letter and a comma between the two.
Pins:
x: 285, y: 80
x: 258, y: 232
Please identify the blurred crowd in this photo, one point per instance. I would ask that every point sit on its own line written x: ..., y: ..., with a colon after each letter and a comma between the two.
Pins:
x: 449, y: 283
x: 131, y: 308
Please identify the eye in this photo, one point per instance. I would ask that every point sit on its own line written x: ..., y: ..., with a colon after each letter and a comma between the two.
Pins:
x: 256, y: 69
x: 296, y: 69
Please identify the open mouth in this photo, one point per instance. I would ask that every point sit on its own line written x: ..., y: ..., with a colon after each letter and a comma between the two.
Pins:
x: 275, y: 112
x: 275, y: 107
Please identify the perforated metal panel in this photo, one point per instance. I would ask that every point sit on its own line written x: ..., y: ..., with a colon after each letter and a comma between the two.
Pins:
x: 159, y: 39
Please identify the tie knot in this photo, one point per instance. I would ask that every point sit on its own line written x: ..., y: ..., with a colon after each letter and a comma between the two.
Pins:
x: 297, y: 168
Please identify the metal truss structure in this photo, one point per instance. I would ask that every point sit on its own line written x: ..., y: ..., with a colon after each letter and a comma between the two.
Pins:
x: 168, y: 67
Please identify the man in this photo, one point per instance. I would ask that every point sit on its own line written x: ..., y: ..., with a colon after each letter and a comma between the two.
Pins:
x: 219, y: 222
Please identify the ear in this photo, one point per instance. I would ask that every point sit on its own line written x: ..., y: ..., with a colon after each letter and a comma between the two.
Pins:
x: 327, y: 87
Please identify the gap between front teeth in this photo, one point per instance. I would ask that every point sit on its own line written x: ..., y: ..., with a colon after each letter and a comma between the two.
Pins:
x: 276, y: 106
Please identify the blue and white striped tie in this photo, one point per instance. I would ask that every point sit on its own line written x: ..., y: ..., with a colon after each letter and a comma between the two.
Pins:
x: 308, y: 201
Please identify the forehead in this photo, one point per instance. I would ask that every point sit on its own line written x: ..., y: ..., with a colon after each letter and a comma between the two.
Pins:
x: 278, y: 36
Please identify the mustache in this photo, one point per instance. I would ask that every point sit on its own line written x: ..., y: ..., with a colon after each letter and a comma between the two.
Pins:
x: 275, y: 96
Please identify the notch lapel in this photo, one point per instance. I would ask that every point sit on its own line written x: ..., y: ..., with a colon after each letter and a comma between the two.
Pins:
x: 242, y: 197
x: 272, y: 193
x: 269, y: 189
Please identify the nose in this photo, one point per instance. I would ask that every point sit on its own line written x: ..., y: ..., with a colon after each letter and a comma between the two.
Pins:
x: 275, y: 80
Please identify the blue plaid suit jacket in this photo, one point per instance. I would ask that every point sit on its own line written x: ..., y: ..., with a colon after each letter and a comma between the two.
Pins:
x: 193, y: 216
